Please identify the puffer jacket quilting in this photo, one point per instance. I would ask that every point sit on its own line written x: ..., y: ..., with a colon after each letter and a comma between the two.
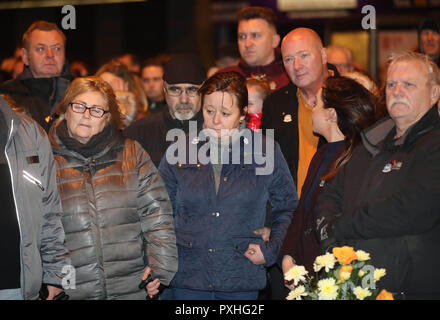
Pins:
x: 116, y: 213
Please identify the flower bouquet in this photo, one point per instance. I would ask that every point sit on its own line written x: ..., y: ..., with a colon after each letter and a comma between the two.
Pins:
x: 349, y: 275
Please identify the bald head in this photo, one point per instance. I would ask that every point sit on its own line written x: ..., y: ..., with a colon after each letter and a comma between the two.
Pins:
x: 305, y: 58
x: 303, y: 34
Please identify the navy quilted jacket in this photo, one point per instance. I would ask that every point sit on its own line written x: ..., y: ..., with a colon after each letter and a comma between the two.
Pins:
x: 213, y: 230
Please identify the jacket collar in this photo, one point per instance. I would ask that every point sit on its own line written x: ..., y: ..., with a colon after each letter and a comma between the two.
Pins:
x: 377, y: 137
x: 27, y: 73
x: 58, y: 146
x: 9, y: 115
x: 242, y: 141
x: 172, y: 123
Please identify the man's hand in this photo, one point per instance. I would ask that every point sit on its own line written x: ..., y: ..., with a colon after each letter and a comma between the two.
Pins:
x: 254, y: 254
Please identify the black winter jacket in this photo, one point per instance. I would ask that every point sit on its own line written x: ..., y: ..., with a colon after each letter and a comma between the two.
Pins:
x: 151, y: 131
x: 38, y: 96
x: 386, y: 201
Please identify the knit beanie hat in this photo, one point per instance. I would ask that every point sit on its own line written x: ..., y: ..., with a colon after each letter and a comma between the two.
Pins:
x: 184, y: 68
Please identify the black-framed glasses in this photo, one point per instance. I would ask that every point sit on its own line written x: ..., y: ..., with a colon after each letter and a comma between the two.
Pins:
x: 176, y: 91
x: 94, y: 111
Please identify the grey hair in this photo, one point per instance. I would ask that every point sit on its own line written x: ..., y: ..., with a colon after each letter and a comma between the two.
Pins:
x: 431, y: 66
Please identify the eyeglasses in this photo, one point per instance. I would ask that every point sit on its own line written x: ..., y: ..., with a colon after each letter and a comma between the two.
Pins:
x: 94, y: 111
x: 177, y: 91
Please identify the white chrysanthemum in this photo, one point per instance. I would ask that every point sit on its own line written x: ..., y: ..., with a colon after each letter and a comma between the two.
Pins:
x: 328, y: 290
x: 326, y: 261
x: 379, y: 273
x: 361, y: 293
x: 362, y: 255
x: 297, y: 293
x: 297, y: 274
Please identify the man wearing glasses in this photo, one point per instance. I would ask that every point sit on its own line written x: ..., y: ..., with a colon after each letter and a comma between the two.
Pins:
x: 183, y: 76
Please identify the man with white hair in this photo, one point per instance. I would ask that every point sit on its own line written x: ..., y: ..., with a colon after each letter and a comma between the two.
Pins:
x: 386, y: 199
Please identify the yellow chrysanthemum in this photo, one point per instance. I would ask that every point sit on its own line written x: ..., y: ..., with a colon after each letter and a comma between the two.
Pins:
x: 297, y: 293
x: 297, y: 274
x: 326, y: 261
x: 361, y: 293
x: 362, y: 255
x: 361, y: 273
x: 328, y: 290
x: 379, y: 273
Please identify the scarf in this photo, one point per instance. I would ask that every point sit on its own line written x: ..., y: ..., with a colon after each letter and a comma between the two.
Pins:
x: 96, y: 144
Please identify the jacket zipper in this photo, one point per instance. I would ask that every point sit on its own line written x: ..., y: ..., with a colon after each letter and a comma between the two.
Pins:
x: 16, y: 207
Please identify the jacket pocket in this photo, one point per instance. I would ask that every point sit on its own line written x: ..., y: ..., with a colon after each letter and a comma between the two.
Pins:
x: 191, y: 260
x: 241, y: 273
x: 241, y: 243
x: 187, y: 240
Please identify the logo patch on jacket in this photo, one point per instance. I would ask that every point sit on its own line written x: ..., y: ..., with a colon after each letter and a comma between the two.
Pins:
x: 33, y: 159
x: 287, y: 118
x: 394, y: 165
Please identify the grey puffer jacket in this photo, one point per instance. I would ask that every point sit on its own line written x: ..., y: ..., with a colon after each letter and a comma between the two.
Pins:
x: 117, y: 218
x: 30, y: 160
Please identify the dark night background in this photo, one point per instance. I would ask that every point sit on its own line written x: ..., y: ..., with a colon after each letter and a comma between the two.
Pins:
x: 150, y: 27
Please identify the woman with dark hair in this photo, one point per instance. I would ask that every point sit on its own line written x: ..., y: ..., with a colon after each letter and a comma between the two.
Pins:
x: 343, y: 110
x: 219, y: 200
x: 116, y: 212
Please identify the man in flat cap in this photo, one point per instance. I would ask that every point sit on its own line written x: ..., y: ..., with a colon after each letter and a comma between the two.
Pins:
x: 183, y: 76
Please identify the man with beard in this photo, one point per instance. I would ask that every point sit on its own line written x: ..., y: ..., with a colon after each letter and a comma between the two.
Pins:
x: 183, y: 76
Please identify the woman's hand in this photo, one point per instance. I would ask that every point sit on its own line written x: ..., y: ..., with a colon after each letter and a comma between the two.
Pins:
x: 152, y: 286
x: 53, y: 291
x: 254, y: 254
x: 287, y: 264
x: 263, y: 232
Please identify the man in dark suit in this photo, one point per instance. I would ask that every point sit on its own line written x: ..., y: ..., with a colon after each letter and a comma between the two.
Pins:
x: 289, y: 112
